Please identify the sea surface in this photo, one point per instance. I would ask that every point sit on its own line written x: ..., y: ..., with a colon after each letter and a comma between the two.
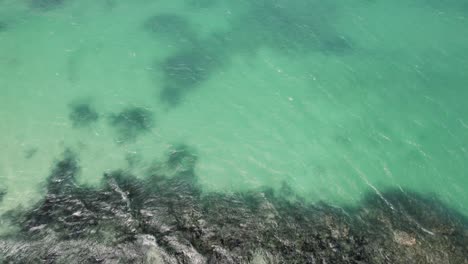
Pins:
x: 333, y: 99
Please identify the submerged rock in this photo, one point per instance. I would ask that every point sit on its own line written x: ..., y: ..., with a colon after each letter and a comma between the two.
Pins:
x: 161, y: 219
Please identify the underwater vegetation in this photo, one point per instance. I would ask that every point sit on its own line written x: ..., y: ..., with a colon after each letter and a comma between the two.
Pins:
x: 174, y: 28
x: 182, y: 159
x: 184, y: 71
x: 30, y: 152
x: 46, y: 4
x: 82, y: 114
x: 200, y: 3
x: 447, y: 5
x: 162, y: 219
x: 131, y: 122
x: 191, y: 64
x: 3, y: 26
x: 294, y: 28
x: 2, y: 193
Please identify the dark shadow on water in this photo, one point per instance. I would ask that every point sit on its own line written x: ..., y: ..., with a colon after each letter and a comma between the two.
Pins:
x: 167, y: 219
x: 131, y: 123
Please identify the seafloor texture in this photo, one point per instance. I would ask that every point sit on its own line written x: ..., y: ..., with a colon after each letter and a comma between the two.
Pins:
x: 323, y: 131
x: 337, y: 99
x: 166, y: 219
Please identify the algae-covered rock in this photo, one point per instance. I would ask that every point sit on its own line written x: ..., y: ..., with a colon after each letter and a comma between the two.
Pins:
x: 167, y: 219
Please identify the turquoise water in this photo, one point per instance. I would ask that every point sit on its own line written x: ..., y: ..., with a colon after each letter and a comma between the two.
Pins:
x: 335, y: 99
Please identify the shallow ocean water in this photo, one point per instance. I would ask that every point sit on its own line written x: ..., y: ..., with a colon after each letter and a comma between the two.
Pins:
x: 334, y: 99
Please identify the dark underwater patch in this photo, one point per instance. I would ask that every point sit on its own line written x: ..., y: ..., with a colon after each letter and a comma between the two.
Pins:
x: 446, y: 5
x: 336, y: 45
x: 46, y: 4
x: 83, y: 114
x: 294, y: 28
x: 110, y: 4
x: 194, y: 62
x: 172, y: 27
x: 162, y: 219
x: 182, y: 159
x: 30, y: 152
x: 184, y: 71
x: 3, y: 192
x: 3, y: 26
x: 200, y: 3
x: 131, y: 123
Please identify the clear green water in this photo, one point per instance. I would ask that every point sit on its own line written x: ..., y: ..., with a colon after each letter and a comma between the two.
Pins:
x: 334, y: 98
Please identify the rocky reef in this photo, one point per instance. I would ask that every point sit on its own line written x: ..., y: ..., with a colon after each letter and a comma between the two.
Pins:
x: 168, y: 219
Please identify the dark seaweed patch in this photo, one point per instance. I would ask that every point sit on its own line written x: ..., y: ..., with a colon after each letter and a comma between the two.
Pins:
x: 30, y: 152
x: 295, y: 28
x: 83, y: 114
x: 166, y: 219
x: 292, y: 27
x: 336, y: 45
x: 446, y: 5
x: 184, y: 71
x: 3, y: 26
x: 3, y: 192
x: 194, y: 62
x: 63, y: 176
x: 200, y: 3
x: 181, y: 159
x: 46, y: 4
x: 132, y: 122
x: 173, y: 27
x: 110, y: 4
